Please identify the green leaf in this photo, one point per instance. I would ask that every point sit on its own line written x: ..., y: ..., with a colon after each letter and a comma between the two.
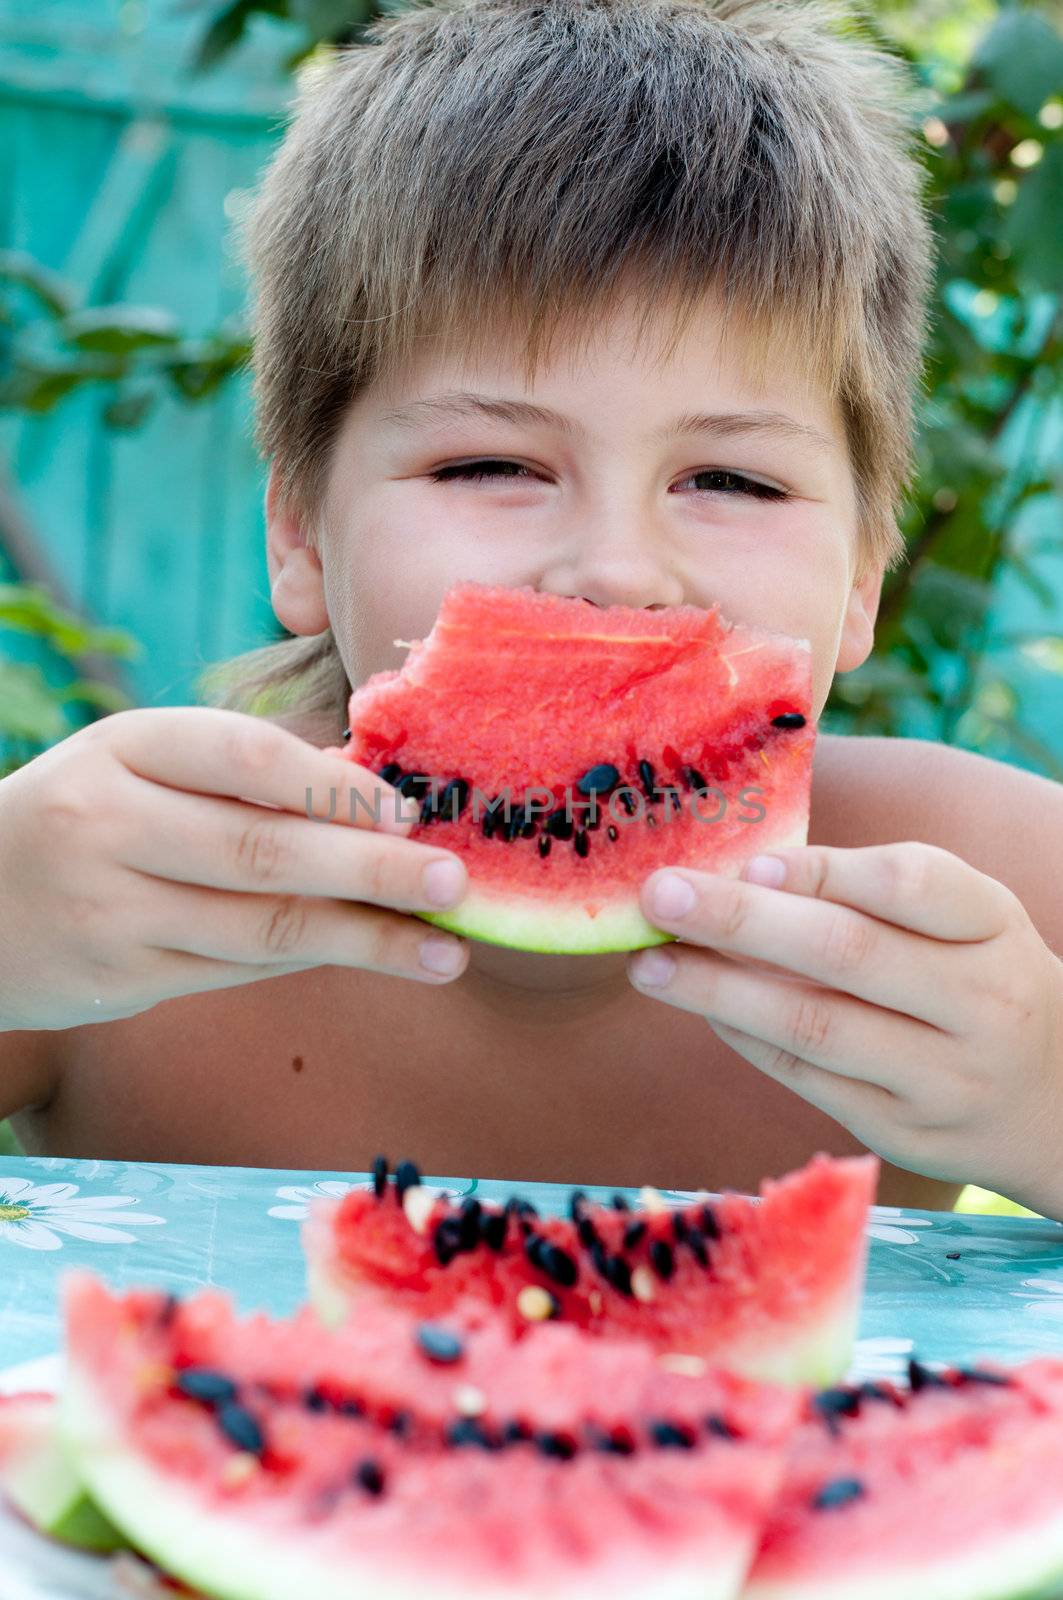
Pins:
x: 93, y: 693
x: 226, y: 30
x: 28, y: 608
x: 28, y: 708
x: 129, y: 410
x: 1046, y: 652
x: 1022, y: 58
x: 118, y: 329
x: 1033, y: 227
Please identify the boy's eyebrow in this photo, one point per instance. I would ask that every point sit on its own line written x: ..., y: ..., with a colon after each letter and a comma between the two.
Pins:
x: 721, y: 425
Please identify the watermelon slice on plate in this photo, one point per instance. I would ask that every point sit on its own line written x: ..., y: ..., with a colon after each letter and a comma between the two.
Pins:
x: 269, y: 1460
x: 767, y: 1286
x: 565, y: 750
x: 949, y: 1490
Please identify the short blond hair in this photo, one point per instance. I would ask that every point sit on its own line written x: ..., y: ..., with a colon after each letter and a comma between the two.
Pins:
x: 478, y: 164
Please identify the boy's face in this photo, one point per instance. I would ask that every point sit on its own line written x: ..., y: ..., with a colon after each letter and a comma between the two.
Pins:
x: 756, y: 510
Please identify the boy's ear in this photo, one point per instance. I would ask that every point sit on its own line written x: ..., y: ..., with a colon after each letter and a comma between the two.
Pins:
x: 297, y: 588
x: 858, y: 626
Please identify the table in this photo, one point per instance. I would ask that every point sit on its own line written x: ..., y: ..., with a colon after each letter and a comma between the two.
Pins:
x: 940, y: 1286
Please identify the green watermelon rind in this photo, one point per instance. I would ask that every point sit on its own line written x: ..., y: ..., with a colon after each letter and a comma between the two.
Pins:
x: 497, y: 918
x: 178, y: 1530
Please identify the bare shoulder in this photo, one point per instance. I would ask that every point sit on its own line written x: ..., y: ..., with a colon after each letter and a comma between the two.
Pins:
x: 1005, y: 821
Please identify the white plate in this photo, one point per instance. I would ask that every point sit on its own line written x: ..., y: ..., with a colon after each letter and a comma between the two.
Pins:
x: 35, y: 1568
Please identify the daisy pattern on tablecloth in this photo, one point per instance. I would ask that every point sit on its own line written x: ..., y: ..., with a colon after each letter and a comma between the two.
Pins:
x: 34, y: 1215
x: 298, y: 1197
x: 880, y: 1357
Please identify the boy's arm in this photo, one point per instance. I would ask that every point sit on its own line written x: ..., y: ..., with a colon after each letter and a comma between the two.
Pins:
x: 899, y: 972
x: 29, y: 1069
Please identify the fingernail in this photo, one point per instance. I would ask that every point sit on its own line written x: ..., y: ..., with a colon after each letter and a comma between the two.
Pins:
x: 444, y: 882
x: 672, y: 896
x: 653, y: 969
x: 768, y: 870
x: 441, y: 956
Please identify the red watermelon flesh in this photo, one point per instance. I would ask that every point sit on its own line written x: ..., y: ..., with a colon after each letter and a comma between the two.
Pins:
x: 768, y: 1287
x: 520, y: 696
x: 265, y: 1460
x: 949, y: 1491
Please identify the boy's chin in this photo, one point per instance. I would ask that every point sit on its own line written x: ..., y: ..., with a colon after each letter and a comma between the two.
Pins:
x: 531, y: 970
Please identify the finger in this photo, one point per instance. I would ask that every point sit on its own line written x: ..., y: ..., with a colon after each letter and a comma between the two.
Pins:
x: 207, y: 750
x: 228, y: 844
x: 857, y: 1105
x: 297, y: 929
x: 813, y: 1024
x: 831, y: 943
x: 912, y: 884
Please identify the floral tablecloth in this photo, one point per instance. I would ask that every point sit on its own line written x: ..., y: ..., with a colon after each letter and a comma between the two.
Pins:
x: 941, y: 1286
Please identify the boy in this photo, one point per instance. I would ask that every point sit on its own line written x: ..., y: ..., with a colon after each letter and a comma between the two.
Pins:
x: 624, y: 300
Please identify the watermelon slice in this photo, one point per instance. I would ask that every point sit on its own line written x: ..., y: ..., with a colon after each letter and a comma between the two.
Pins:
x: 767, y: 1287
x: 265, y: 1460
x: 565, y: 750
x: 38, y: 1480
x: 948, y: 1491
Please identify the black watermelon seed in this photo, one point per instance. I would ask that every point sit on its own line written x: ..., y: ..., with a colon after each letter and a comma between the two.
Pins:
x: 514, y: 826
x: 648, y: 779
x: 438, y: 1343
x: 628, y: 801
x: 493, y: 1229
x: 530, y: 827
x: 314, y: 1399
x: 619, y: 1274
x: 838, y: 1492
x: 588, y: 1233
x: 679, y: 1227
x: 380, y: 1176
x: 674, y: 800
x: 672, y: 1435
x: 600, y: 1257
x: 469, y: 1430
x: 454, y: 799
x: 719, y: 1427
x: 952, y: 1255
x: 662, y: 1258
x: 877, y: 1391
x: 204, y: 1383
x: 428, y: 810
x: 634, y: 1234
x: 351, y: 1408
x: 618, y: 1203
x: 788, y: 719
x: 446, y: 1240
x: 241, y: 1428
x: 369, y: 1475
x: 414, y: 785
x: 695, y: 780
x: 577, y: 1204
x: 582, y: 843
x: 617, y: 1441
x: 709, y: 1225
x: 697, y: 1245
x: 391, y: 772
x: 407, y: 1176
x: 544, y: 844
x: 831, y: 1404
x: 612, y: 832
x: 559, y: 1265
x: 983, y: 1375
x: 346, y: 734
x: 559, y: 826
x: 516, y: 1432
x: 920, y: 1377
x: 561, y: 1446
x: 487, y: 823
x: 534, y: 1244
x: 168, y: 1310
x: 400, y: 1424
x: 521, y: 1207
x: 599, y: 779
x: 469, y: 1223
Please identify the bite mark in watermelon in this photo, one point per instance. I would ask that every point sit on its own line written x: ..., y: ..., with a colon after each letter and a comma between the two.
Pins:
x: 767, y: 1287
x: 950, y: 1491
x: 263, y: 1460
x: 564, y: 751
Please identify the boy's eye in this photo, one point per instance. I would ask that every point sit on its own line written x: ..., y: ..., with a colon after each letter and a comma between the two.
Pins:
x: 725, y: 482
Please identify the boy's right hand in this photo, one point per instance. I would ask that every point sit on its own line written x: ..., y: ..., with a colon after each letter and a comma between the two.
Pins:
x: 159, y: 852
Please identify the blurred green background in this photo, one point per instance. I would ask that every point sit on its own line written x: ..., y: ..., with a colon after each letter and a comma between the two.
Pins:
x: 131, y: 538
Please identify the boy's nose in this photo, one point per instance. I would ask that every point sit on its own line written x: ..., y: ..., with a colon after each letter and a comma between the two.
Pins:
x: 620, y: 562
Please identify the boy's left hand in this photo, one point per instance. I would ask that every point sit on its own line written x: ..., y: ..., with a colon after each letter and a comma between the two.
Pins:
x: 932, y: 1026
